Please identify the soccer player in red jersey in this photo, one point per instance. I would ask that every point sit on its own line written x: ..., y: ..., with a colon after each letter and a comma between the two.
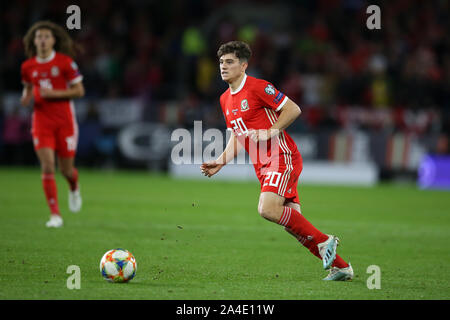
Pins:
x: 52, y: 79
x: 257, y: 115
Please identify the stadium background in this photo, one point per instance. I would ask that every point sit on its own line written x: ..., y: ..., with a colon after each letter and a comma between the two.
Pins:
x: 371, y: 99
x: 376, y: 97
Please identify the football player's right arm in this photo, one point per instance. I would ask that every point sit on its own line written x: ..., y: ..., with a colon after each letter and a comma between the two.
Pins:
x: 231, y: 150
x: 27, y: 94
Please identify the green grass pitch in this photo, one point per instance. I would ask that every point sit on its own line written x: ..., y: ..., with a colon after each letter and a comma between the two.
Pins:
x: 205, y: 240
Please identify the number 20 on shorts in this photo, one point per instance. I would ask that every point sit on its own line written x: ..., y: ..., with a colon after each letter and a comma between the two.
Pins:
x: 272, y: 179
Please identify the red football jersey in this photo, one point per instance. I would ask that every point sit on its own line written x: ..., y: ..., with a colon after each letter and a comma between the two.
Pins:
x: 256, y: 104
x: 58, y: 71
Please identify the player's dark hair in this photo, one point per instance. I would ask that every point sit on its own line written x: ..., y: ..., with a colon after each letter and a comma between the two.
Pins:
x: 63, y: 42
x: 239, y: 48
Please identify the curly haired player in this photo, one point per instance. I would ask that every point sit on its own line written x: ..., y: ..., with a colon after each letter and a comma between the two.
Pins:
x: 52, y: 78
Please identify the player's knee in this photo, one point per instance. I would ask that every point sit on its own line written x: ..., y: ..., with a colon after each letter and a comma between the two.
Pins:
x: 48, y: 167
x: 67, y: 172
x: 267, y: 211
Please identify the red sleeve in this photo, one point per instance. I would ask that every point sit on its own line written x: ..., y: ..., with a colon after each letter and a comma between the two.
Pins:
x: 24, y: 74
x: 71, y: 72
x: 269, y: 96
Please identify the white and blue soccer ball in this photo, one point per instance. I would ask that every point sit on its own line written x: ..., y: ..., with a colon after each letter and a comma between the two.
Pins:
x: 118, y: 265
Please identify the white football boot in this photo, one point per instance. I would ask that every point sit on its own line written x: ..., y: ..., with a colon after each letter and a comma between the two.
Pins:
x: 55, y: 221
x: 75, y: 200
x: 327, y: 251
x: 340, y: 274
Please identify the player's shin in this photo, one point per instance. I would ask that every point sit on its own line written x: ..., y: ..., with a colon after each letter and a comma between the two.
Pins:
x: 72, y: 179
x: 306, y: 242
x: 51, y: 192
x: 297, y: 225
x: 338, y: 261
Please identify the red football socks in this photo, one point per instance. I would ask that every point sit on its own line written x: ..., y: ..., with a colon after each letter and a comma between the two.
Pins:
x: 51, y: 192
x: 308, y: 235
x: 73, y: 180
x: 339, y: 262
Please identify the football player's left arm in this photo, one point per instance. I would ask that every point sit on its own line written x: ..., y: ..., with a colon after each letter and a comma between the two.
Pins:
x: 288, y: 113
x: 74, y: 91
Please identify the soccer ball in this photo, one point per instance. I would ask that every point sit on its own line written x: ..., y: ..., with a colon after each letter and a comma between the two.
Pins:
x: 118, y: 265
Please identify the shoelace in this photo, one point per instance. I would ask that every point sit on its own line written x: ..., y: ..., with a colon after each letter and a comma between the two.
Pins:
x: 333, y: 271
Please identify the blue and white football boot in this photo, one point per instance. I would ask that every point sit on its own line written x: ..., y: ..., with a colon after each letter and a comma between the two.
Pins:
x: 327, y: 251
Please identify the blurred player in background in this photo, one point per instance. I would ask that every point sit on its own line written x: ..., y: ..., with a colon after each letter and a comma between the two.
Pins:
x: 257, y: 115
x: 52, y: 79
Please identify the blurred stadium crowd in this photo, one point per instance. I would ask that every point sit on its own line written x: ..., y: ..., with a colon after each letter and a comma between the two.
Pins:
x: 319, y: 53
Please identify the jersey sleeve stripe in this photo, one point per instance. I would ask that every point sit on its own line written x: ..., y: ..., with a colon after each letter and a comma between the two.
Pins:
x: 282, y: 104
x: 76, y: 80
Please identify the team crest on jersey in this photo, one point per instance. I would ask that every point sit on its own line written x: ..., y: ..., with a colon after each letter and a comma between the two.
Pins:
x: 270, y: 90
x: 244, y: 105
x: 34, y: 74
x: 54, y: 71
